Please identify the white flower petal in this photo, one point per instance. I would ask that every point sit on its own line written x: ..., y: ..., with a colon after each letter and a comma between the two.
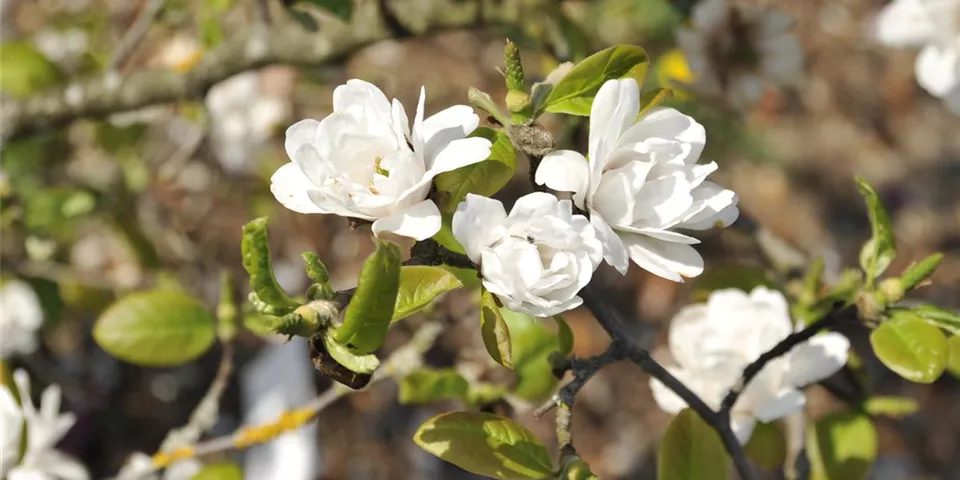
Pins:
x: 12, y: 421
x: 565, y: 171
x: 441, y: 128
x: 416, y: 133
x: 672, y: 261
x: 904, y: 23
x: 614, y: 251
x: 418, y: 222
x: 614, y: 109
x: 356, y: 94
x: 686, y: 328
x: 292, y: 189
x: 742, y: 425
x: 299, y: 134
x: 669, y: 124
x: 532, y: 206
x: 712, y: 206
x: 780, y: 405
x: 615, y: 199
x: 401, y: 123
x: 938, y: 69
x: 477, y: 223
x: 816, y: 359
x: 460, y: 153
x: 667, y: 400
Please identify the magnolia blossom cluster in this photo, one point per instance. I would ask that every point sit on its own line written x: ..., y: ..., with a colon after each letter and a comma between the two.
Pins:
x: 712, y: 343
x: 640, y: 185
x: 43, y: 428
x: 736, y: 51
x: 933, y: 25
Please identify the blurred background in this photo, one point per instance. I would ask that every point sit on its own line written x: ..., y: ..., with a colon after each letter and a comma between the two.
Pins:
x: 158, y: 195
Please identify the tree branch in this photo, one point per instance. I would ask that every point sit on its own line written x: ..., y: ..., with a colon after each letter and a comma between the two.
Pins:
x: 260, y: 46
x: 831, y: 319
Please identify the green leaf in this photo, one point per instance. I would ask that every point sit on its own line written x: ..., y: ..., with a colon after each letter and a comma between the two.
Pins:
x: 494, y: 330
x: 911, y: 347
x: 468, y: 277
x: 574, y: 94
x: 841, y: 446
x: 220, y: 471
x: 368, y: 315
x: 532, y: 345
x: 564, y: 335
x: 691, y: 450
x: 255, y: 249
x: 317, y: 272
x: 891, y: 406
x: 355, y: 363
x: 445, y: 236
x: 259, y: 323
x: 25, y: 70
x: 484, y: 178
x: 953, y: 364
x: 419, y: 285
x: 156, y: 328
x: 767, y: 446
x: 879, y: 251
x: 428, y: 385
x: 914, y: 274
x: 485, y: 444
x: 940, y: 317
x: 653, y: 98
x: 342, y: 9
x: 739, y: 277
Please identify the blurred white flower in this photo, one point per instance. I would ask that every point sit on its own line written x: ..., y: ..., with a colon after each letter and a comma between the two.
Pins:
x: 44, y: 428
x: 278, y: 380
x: 641, y: 183
x: 935, y: 26
x: 243, y: 115
x: 180, y: 53
x: 139, y: 466
x: 536, y: 259
x: 20, y: 317
x: 735, y: 51
x: 364, y: 161
x: 65, y: 47
x: 712, y: 343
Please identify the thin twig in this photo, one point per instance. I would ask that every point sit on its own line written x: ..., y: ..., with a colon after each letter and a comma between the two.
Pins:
x: 136, y: 33
x: 830, y: 320
x: 206, y: 413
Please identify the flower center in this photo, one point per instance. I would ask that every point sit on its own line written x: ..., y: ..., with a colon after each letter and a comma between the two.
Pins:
x: 377, y: 170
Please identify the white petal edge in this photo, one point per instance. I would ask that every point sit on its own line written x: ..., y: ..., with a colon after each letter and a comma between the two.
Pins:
x: 614, y: 251
x: 672, y: 261
x: 291, y: 188
x: 816, y: 359
x: 419, y: 222
x: 565, y: 171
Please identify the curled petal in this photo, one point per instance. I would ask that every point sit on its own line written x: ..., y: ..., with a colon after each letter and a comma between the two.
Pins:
x: 672, y: 261
x: 419, y: 222
x: 477, y: 223
x: 816, y: 359
x: 565, y: 171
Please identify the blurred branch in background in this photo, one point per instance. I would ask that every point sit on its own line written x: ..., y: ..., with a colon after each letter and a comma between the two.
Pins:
x: 260, y: 46
x: 136, y: 33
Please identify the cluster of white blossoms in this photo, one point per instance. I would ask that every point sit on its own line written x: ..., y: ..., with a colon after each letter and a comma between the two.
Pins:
x: 933, y: 25
x: 20, y: 317
x: 712, y: 343
x: 44, y: 428
x: 640, y: 185
x: 736, y: 51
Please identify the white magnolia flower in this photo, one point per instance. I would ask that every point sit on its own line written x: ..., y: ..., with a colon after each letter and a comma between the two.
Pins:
x: 712, y: 343
x: 20, y: 317
x: 139, y: 466
x: 935, y: 26
x: 364, y: 161
x: 44, y: 428
x: 737, y: 51
x: 537, y: 258
x: 642, y: 183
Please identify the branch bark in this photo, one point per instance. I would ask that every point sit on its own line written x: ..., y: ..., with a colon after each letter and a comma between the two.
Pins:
x: 260, y: 46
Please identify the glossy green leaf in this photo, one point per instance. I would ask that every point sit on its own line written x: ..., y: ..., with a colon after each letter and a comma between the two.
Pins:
x: 911, y: 347
x: 255, y: 249
x: 25, y: 70
x: 574, y: 94
x: 345, y: 357
x: 564, y: 335
x: 445, y: 236
x: 342, y: 9
x: 953, y: 364
x: 739, y: 277
x: 485, y: 444
x: 767, y: 446
x: 419, y: 285
x: 652, y: 99
x: 691, y: 450
x: 841, y: 446
x: 879, y: 251
x: 891, y: 406
x: 494, y: 331
x: 317, y: 272
x: 483, y: 178
x: 429, y: 385
x: 940, y: 317
x: 156, y: 328
x: 220, y: 471
x: 532, y: 343
x: 368, y: 315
